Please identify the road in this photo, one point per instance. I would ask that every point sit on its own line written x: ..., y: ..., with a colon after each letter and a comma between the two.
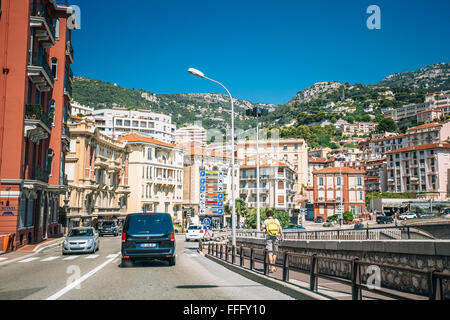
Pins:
x: 50, y: 275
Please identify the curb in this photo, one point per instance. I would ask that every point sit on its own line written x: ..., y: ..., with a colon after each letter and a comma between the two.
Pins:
x: 289, y: 289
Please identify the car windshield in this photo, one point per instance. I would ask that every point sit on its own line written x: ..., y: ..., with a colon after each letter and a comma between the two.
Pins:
x: 195, y: 228
x: 81, y: 233
x: 108, y: 223
x: 149, y: 224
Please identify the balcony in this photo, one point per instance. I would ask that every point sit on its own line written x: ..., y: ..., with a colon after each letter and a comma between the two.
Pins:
x: 69, y: 51
x: 44, y: 26
x: 101, y: 162
x: 68, y: 90
x: 40, y: 73
x: 37, y: 173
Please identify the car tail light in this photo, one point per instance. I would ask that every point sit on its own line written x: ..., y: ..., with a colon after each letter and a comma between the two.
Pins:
x: 124, y: 236
x: 201, y: 231
x: 172, y: 236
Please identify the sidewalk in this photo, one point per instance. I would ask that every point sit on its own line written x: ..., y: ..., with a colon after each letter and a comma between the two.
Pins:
x: 29, y: 250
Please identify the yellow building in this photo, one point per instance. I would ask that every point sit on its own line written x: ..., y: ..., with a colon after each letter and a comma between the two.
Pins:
x: 97, y: 173
x: 156, y: 176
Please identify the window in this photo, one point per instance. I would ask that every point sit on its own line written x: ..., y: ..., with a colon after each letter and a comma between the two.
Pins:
x: 49, y: 161
x: 118, y: 122
x: 321, y: 181
x: 359, y: 181
x: 338, y: 181
x: 55, y: 68
x: 22, y: 214
x: 149, y: 153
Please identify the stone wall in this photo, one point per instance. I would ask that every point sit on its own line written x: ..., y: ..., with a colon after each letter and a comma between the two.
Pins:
x: 424, y: 255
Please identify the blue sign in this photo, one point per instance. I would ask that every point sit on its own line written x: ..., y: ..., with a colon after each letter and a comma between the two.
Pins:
x: 220, y: 204
x: 202, y: 173
x: 207, y: 221
x: 207, y: 227
x: 202, y: 188
x: 202, y: 180
x: 220, y: 211
x: 220, y: 196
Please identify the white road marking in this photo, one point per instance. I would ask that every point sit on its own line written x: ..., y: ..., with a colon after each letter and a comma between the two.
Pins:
x: 49, y: 259
x: 111, y: 256
x: 79, y: 281
x: 71, y: 258
x: 1, y: 259
x: 92, y: 256
x: 29, y: 259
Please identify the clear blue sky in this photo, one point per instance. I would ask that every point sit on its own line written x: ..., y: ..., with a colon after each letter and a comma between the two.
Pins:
x: 263, y: 51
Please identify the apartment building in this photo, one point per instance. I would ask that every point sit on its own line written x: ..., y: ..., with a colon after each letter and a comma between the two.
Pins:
x: 35, y: 90
x: 422, y: 168
x: 117, y: 122
x: 375, y: 179
x: 97, y: 169
x: 156, y: 175
x: 358, y: 128
x: 339, y: 186
x: 80, y: 110
x: 276, y: 186
x: 288, y: 151
x: 190, y: 134
x: 408, y: 111
x: 197, y: 159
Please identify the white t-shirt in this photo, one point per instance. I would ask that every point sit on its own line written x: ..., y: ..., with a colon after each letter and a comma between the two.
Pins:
x: 265, y: 222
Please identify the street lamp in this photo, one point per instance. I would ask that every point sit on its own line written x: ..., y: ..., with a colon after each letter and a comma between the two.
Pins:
x: 256, y: 112
x: 200, y: 74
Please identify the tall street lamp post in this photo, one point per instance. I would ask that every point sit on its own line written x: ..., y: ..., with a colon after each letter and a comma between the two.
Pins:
x: 200, y: 74
x: 256, y: 112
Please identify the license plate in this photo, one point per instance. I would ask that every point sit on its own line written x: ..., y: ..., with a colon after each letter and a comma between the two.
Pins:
x: 148, y: 245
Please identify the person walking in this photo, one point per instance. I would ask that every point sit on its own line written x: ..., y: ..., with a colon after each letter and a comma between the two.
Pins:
x: 273, y: 230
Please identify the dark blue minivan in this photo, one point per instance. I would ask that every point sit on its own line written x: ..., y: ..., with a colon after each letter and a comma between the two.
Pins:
x: 148, y: 236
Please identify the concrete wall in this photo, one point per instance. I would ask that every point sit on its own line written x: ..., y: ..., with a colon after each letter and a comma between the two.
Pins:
x: 418, y: 254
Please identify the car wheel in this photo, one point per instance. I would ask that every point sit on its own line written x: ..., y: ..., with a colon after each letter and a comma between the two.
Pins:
x: 187, y: 240
x: 172, y: 261
x: 125, y: 263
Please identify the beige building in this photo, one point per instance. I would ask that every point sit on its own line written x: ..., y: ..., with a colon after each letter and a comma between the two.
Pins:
x: 288, y: 151
x: 97, y: 173
x: 156, y: 175
x: 195, y: 134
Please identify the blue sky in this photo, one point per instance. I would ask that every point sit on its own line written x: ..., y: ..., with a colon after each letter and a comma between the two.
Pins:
x: 263, y: 51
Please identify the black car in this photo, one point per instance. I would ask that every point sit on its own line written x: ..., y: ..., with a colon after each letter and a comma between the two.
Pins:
x: 148, y: 236
x: 384, y: 219
x: 108, y: 227
x: 319, y: 220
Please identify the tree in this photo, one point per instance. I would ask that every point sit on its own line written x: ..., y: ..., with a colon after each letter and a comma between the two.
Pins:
x: 386, y: 125
x: 348, y: 216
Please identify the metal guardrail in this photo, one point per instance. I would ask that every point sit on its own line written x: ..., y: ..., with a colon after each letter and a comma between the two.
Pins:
x: 373, y: 233
x: 310, y: 265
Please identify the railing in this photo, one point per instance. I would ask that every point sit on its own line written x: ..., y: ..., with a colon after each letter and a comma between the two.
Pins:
x: 68, y: 88
x: 38, y: 173
x: 41, y: 11
x: 373, y: 233
x: 42, y: 61
x: 353, y: 272
x: 35, y: 112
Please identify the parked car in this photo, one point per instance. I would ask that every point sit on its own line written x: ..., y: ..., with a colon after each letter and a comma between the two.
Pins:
x: 318, y: 220
x: 148, y: 236
x: 384, y: 219
x: 81, y: 240
x: 358, y: 225
x: 294, y: 227
x: 409, y: 215
x: 426, y: 215
x: 446, y: 213
x: 108, y: 227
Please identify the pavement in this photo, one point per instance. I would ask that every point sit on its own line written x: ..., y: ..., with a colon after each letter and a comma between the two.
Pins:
x: 48, y: 275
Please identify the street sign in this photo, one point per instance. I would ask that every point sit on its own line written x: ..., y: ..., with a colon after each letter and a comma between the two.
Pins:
x: 211, y: 192
x: 206, y: 221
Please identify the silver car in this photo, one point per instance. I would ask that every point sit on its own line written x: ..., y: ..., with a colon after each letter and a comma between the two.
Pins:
x: 81, y: 239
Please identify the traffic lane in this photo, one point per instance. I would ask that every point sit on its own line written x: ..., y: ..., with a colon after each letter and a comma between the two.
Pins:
x: 194, y: 277
x: 41, y: 275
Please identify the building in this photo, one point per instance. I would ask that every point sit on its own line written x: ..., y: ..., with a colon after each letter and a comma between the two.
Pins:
x: 358, y: 128
x: 314, y: 164
x: 422, y: 168
x: 97, y: 169
x: 433, y: 114
x: 35, y: 90
x: 276, y: 184
x: 80, y: 110
x: 117, y: 122
x: 191, y: 134
x: 156, y: 175
x: 288, y: 151
x: 339, y: 186
x: 376, y: 175
x: 197, y: 159
x: 427, y: 133
x: 406, y: 112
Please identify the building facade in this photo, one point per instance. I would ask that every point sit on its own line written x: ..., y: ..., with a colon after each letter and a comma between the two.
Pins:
x: 338, y: 186
x: 117, y: 122
x: 190, y: 134
x: 156, y: 176
x: 97, y: 173
x: 34, y: 106
x: 276, y: 186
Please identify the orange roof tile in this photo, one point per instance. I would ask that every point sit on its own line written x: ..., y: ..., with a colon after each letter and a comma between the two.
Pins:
x: 134, y: 137
x: 265, y: 163
x: 422, y: 147
x: 425, y: 125
x: 207, y: 153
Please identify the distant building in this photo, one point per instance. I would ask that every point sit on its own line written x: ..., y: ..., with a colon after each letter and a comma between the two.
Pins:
x: 78, y: 109
x: 336, y: 186
x: 358, y: 128
x: 191, y: 134
x: 117, y: 122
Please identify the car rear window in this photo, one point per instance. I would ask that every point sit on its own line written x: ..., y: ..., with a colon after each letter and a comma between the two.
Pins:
x: 149, y: 224
x: 195, y: 228
x: 108, y: 223
x: 80, y: 233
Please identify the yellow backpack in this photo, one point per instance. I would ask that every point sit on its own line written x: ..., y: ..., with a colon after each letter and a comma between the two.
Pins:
x: 272, y: 228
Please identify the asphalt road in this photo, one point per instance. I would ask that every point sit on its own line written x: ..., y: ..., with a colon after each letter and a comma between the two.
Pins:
x: 50, y: 275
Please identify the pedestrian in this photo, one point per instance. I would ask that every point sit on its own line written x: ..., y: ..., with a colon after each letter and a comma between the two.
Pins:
x: 274, y: 234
